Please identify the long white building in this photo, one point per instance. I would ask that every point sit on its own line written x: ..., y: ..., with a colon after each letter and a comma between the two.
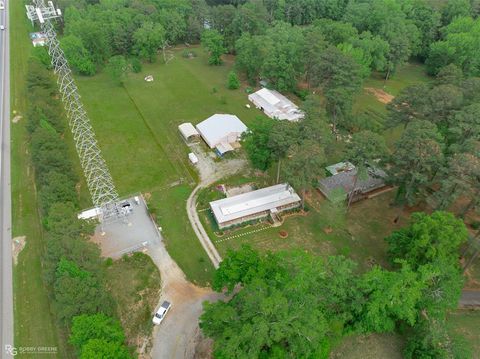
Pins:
x: 275, y: 105
x: 254, y: 205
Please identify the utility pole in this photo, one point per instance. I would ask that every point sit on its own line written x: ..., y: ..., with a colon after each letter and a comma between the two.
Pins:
x: 99, y: 181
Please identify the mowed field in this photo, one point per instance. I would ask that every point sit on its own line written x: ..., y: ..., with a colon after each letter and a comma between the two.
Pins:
x: 136, y: 126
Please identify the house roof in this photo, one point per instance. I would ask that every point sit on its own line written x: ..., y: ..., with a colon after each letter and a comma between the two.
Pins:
x: 275, y: 105
x: 345, y: 181
x: 187, y: 130
x: 254, y: 202
x: 215, y: 128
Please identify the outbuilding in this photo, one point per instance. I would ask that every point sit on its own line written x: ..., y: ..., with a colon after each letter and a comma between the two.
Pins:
x: 220, y: 131
x: 188, y: 132
x: 275, y: 105
x: 262, y: 203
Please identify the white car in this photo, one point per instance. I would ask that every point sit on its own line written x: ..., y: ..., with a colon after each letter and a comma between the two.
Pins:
x: 2, y: 5
x: 2, y: 27
x: 161, y: 312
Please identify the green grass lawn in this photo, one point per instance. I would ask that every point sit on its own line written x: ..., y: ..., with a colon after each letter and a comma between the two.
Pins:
x: 33, y: 321
x: 374, y: 346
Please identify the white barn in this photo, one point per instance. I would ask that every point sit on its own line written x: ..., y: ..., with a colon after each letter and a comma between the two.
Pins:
x: 254, y: 205
x: 220, y: 131
x: 275, y: 105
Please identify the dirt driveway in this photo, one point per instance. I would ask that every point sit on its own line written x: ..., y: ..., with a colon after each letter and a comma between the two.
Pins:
x: 177, y: 335
x: 210, y: 172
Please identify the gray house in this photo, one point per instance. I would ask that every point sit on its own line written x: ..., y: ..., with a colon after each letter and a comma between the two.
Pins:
x: 339, y: 187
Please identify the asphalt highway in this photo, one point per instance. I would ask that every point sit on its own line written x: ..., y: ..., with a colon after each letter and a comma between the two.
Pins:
x: 6, y: 288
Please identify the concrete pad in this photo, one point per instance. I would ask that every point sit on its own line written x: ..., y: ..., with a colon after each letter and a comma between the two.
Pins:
x: 132, y: 234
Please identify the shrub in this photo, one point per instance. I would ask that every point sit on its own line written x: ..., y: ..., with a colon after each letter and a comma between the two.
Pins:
x: 233, y: 81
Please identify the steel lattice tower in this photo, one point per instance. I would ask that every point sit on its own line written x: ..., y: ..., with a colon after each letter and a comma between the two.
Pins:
x: 99, y: 181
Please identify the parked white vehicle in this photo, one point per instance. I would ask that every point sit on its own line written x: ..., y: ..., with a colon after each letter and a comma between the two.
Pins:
x: 2, y: 27
x: 161, y: 312
x: 2, y: 5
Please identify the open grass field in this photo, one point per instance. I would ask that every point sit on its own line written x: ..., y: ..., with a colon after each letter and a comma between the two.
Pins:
x: 34, y: 323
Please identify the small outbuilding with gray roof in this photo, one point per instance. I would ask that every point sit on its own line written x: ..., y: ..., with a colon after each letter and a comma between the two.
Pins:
x: 339, y: 187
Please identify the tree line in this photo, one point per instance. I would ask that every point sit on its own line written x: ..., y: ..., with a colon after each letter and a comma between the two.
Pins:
x: 378, y: 35
x: 73, y: 270
x: 294, y: 304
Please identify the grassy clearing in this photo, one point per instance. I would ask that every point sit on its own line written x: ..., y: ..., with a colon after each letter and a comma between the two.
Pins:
x: 34, y: 323
x: 134, y: 282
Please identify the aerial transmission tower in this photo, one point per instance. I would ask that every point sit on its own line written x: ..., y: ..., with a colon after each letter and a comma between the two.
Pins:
x: 99, y: 181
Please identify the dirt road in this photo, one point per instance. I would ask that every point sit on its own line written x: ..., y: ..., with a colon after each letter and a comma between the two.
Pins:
x: 210, y: 172
x: 177, y: 335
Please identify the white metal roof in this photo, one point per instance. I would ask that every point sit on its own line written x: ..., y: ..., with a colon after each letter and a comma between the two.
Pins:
x: 216, y: 128
x: 268, y: 96
x: 275, y: 105
x: 187, y: 130
x: 249, y: 203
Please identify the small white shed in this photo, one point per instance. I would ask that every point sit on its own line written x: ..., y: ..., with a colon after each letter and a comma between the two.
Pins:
x: 193, y: 158
x: 188, y: 131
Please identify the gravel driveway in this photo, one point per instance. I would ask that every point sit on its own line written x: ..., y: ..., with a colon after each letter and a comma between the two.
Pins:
x: 177, y: 335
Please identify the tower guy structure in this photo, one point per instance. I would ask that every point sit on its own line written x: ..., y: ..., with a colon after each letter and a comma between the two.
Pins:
x: 99, y: 181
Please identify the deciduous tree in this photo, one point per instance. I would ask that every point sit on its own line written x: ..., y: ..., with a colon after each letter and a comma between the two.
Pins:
x: 147, y: 40
x: 416, y: 159
x: 212, y: 40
